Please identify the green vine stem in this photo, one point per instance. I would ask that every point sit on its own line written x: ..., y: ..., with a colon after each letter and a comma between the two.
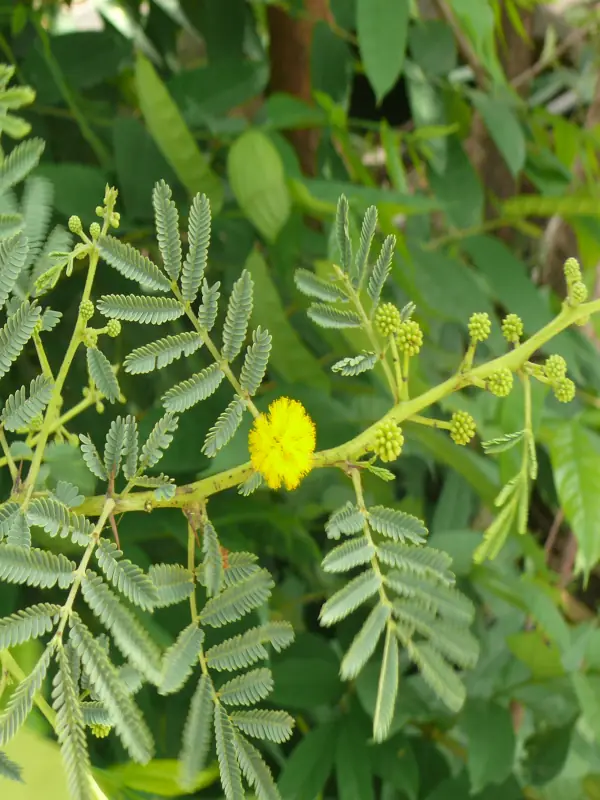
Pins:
x: 361, y: 444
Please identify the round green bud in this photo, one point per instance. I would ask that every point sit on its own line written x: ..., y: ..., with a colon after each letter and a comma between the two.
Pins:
x: 115, y: 219
x: 99, y: 211
x: 479, y: 327
x: 500, y: 382
x: 99, y: 407
x: 555, y: 367
x: 388, y: 441
x: 90, y: 337
x: 410, y: 337
x: 578, y: 293
x: 512, y: 328
x: 75, y: 225
x: 387, y: 319
x: 564, y: 390
x: 86, y: 310
x: 100, y: 731
x: 572, y: 270
x: 462, y: 427
x: 113, y: 328
x: 95, y: 230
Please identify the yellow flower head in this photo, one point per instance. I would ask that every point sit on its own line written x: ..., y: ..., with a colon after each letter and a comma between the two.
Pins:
x: 282, y: 443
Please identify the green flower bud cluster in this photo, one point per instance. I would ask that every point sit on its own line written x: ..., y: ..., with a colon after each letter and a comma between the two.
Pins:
x: 90, y: 337
x: 480, y: 327
x: 75, y: 225
x: 387, y: 319
x: 512, y: 328
x: 86, y: 310
x: 555, y: 370
x: 410, y: 337
x: 113, y: 328
x: 100, y: 731
x: 500, y: 382
x: 577, y: 292
x: 462, y: 427
x: 95, y: 230
x: 388, y: 441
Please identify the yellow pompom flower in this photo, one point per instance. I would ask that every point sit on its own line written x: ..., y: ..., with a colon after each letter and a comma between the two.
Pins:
x: 282, y: 443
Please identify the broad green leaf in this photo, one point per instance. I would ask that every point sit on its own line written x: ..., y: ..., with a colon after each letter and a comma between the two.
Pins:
x: 308, y: 767
x: 536, y: 206
x: 289, y: 355
x: 352, y: 769
x: 258, y: 182
x: 587, y: 689
x: 159, y: 778
x: 492, y: 743
x: 546, y: 753
x: 504, y: 128
x: 574, y: 453
x: 382, y: 27
x: 172, y: 135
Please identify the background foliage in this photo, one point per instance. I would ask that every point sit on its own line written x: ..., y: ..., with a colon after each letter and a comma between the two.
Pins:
x: 474, y: 128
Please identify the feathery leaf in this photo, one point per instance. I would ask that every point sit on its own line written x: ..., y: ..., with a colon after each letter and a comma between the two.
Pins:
x: 113, y: 448
x: 146, y: 310
x: 276, y: 726
x: 132, y: 264
x: 255, y: 770
x: 8, y: 512
x: 381, y: 270
x: 347, y: 520
x: 213, y: 560
x: 189, y: 392
x: 129, y: 636
x: 102, y: 374
x: 166, y: 220
x: 448, y: 601
x: 387, y: 689
x: 231, y: 778
x: 238, y: 316
x: 36, y: 207
x: 342, y: 234
x: 313, y: 286
x: 240, y: 566
x: 13, y: 254
x: 349, y: 597
x: 16, y: 332
x: 224, y: 428
x: 19, y: 409
x: 130, y: 447
x: 19, y: 162
x: 247, y: 689
x: 27, y: 623
x: 236, y: 601
x: 161, y: 353
x: 364, y: 643
x: 355, y: 365
x: 348, y: 555
x: 127, y: 577
x: 207, y: 313
x: 58, y: 520
x: 198, y: 243
x: 9, y: 770
x: 19, y: 534
x: 330, y: 317
x: 70, y: 730
x: 92, y: 458
x: 158, y: 441
x: 439, y: 675
x: 196, y: 734
x: 366, y: 239
x: 420, y: 560
x: 180, y: 659
x: 104, y: 678
x: 35, y: 567
x: 173, y: 583
x: 255, y: 362
x: 21, y: 701
x: 247, y: 648
x: 397, y: 525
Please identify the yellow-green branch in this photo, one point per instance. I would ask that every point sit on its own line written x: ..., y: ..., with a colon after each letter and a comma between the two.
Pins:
x: 361, y: 444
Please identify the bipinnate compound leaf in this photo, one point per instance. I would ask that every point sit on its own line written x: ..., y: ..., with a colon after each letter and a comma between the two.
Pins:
x: 397, y: 525
x: 70, y: 729
x: 161, y: 353
x: 207, y: 312
x: 350, y: 554
x: 236, y: 601
x: 313, y: 286
x: 255, y: 770
x: 350, y: 597
x: 387, y: 688
x: 19, y: 162
x: 180, y: 659
x: 130, y: 447
x: 276, y: 726
x: 173, y: 583
x: 158, y: 441
x: 255, y: 362
x: 198, y: 242
x: 355, y: 365
x: 381, y: 270
x: 347, y: 520
x: 342, y: 234
x: 367, y: 233
x: 364, y: 643
x: 92, y: 458
x: 147, y: 310
x: 58, y: 520
x: 213, y: 560
x: 13, y: 254
x: 237, y: 319
x: 28, y: 623
x: 128, y: 634
x: 196, y: 734
x: 193, y: 390
x: 16, y: 332
x: 20, y: 409
x: 247, y: 689
x: 127, y: 577
x: 247, y: 648
x: 19, y: 533
x: 166, y: 220
x: 21, y: 700
x: 102, y: 374
x: 330, y: 317
x: 9, y: 769
x: 224, y: 428
x: 231, y: 778
x: 111, y: 691
x: 114, y: 446
x: 35, y: 567
x: 132, y: 264
x: 438, y: 674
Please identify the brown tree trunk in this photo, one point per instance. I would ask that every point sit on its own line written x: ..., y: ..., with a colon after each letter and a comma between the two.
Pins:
x: 289, y: 53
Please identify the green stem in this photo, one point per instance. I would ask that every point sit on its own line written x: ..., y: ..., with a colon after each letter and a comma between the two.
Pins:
x: 42, y: 358
x: 361, y: 444
x: 397, y: 366
x: 8, y: 459
x: 54, y: 404
x: 215, y: 353
x: 430, y: 423
x: 405, y: 372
